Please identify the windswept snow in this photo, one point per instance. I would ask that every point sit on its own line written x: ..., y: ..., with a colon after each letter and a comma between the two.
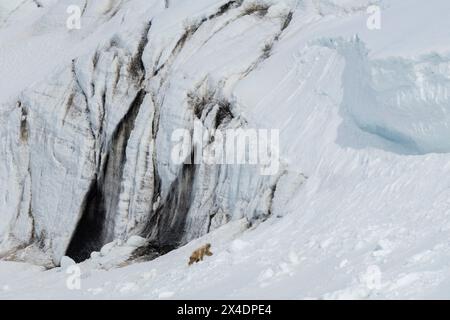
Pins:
x: 359, y: 209
x: 374, y: 262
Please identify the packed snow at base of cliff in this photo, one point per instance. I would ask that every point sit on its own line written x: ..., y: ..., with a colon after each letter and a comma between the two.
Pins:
x: 92, y: 205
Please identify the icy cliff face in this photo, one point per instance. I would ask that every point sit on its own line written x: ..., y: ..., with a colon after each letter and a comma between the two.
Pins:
x: 86, y: 154
x: 87, y: 117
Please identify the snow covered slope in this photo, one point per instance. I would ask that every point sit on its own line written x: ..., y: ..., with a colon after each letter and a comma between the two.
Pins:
x: 358, y: 208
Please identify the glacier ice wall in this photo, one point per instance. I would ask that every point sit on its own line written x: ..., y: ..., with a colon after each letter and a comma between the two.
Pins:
x: 86, y: 153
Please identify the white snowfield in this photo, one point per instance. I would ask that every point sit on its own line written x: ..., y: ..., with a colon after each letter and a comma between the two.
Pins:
x: 359, y: 210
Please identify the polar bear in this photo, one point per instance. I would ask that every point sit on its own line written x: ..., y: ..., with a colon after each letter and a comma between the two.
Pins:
x: 198, y: 254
